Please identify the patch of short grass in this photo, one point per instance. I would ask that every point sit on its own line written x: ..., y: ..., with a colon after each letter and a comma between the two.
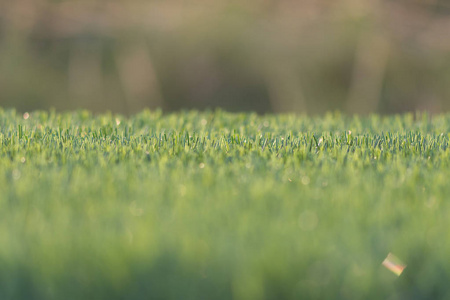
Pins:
x: 216, y: 205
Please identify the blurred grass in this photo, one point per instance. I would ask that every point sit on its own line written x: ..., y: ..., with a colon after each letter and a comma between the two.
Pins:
x: 303, y: 56
x: 222, y: 206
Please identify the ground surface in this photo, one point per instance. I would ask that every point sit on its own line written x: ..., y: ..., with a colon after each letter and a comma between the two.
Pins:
x: 223, y: 206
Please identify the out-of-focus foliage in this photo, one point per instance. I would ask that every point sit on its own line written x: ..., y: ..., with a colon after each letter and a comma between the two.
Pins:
x: 261, y: 55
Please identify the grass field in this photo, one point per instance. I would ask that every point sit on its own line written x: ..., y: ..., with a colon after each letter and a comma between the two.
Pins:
x: 223, y: 206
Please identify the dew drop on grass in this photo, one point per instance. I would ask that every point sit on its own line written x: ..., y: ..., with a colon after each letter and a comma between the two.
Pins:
x: 23, y: 160
x: 305, y: 180
x: 16, y: 174
x: 201, y: 165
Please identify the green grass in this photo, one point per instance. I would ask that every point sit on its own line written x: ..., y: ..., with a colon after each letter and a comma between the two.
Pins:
x: 223, y: 206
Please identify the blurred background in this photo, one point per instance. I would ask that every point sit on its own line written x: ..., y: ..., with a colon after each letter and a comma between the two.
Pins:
x: 308, y: 56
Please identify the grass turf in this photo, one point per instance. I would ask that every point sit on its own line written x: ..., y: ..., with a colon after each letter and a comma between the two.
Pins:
x: 223, y: 206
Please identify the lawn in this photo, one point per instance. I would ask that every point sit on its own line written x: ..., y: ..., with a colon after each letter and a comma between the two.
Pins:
x: 214, y: 205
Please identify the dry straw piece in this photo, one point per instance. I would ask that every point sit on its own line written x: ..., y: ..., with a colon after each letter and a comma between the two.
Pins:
x: 394, y: 264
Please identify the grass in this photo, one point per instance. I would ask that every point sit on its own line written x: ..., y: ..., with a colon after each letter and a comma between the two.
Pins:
x: 223, y: 206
